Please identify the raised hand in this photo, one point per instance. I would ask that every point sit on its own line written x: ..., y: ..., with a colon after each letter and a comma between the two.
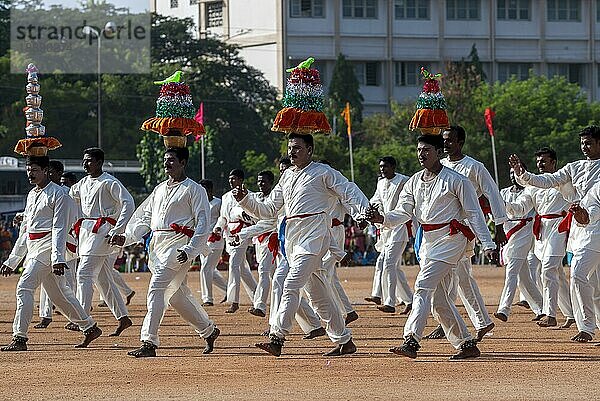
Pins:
x: 516, y: 165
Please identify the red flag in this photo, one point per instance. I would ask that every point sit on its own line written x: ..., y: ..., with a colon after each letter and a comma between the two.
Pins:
x: 489, y: 115
x: 199, y: 117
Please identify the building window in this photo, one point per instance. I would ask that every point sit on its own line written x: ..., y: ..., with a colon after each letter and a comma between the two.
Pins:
x: 514, y: 9
x: 574, y: 73
x: 214, y: 14
x: 564, y: 10
x: 307, y: 9
x: 174, y: 3
x: 411, y: 9
x: 462, y: 9
x: 518, y: 70
x: 360, y: 9
x: 408, y: 73
x: 367, y: 73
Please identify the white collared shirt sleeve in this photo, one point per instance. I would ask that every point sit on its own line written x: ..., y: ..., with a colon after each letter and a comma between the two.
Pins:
x: 348, y: 192
x: 404, y: 208
x: 591, y: 203
x: 468, y: 199
x: 492, y: 193
x: 267, y: 209
x: 201, y: 211
x: 120, y: 194
x: 522, y: 205
x: 60, y: 229
x: 547, y: 180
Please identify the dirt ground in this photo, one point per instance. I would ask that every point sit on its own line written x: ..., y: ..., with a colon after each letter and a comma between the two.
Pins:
x: 519, y: 360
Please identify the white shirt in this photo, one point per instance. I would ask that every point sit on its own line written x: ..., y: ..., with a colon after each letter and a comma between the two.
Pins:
x: 308, y: 191
x: 520, y: 243
x: 185, y: 204
x: 215, y: 211
x: 386, y: 199
x: 446, y: 197
x: 48, y: 209
x: 544, y: 202
x: 574, y: 181
x: 103, y: 196
x: 483, y: 182
x: 230, y: 216
x: 263, y: 226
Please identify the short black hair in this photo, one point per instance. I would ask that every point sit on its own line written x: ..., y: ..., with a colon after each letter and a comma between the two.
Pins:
x: 546, y: 151
x: 180, y: 153
x: 268, y: 174
x: 389, y: 160
x: 434, y: 140
x: 307, y: 138
x: 237, y: 172
x: 96, y: 153
x: 285, y: 160
x: 41, y: 161
x: 207, y: 184
x: 591, y: 130
x: 70, y: 176
x: 57, y: 165
x: 461, y: 135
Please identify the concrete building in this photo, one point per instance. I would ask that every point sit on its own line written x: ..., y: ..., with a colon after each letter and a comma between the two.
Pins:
x: 389, y: 40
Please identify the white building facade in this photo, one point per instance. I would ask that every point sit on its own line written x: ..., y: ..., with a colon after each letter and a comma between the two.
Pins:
x: 389, y: 40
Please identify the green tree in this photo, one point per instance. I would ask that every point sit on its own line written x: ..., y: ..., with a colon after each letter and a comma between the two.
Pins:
x: 344, y: 87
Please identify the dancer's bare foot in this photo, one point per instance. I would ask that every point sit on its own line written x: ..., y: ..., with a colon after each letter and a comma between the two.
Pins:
x: 407, y: 309
x: 436, y: 334
x: 233, y: 308
x: 375, y: 300
x: 548, y: 321
x: 482, y: 332
x: 501, y: 316
x: 582, y: 337
x: 570, y: 322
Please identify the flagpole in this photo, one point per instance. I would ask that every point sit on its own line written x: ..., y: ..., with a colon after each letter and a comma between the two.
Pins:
x: 202, y: 156
x: 495, y: 161
x: 351, y: 156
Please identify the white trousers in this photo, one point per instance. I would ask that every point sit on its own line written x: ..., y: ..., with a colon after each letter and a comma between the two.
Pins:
x: 377, y: 291
x: 96, y: 270
x: 584, y: 286
x: 168, y: 286
x: 266, y: 266
x: 35, y: 274
x: 306, y: 316
x: 393, y: 280
x: 555, y: 287
x: 209, y: 274
x: 432, y: 292
x: 339, y: 294
x: 120, y: 283
x: 239, y: 268
x: 45, y: 302
x: 465, y: 285
x: 518, y: 270
x: 306, y: 271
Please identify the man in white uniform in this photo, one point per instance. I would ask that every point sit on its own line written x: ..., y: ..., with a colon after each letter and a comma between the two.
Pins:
x: 230, y: 223
x: 55, y: 172
x: 574, y: 181
x: 550, y: 244
x: 264, y: 236
x: 393, y: 241
x: 209, y: 274
x: 106, y: 207
x: 178, y: 213
x: 49, y: 213
x: 440, y: 199
x: 305, y: 191
x: 514, y: 254
x: 465, y: 285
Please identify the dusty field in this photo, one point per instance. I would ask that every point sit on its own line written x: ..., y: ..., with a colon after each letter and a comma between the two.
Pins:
x: 519, y: 360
